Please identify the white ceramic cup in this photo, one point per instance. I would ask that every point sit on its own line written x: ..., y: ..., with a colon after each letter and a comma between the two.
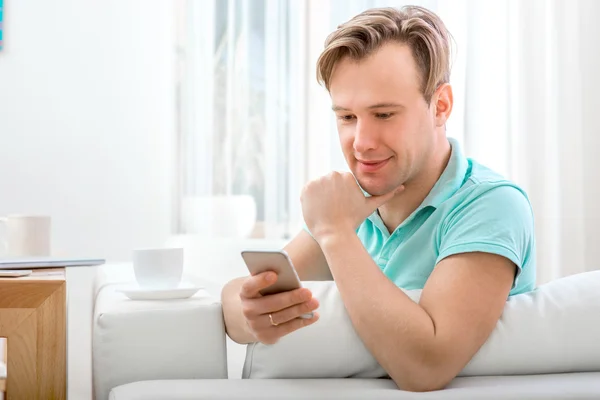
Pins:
x: 160, y: 268
x: 25, y: 236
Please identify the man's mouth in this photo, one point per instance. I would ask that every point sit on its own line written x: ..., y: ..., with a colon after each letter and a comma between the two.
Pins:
x: 371, y: 165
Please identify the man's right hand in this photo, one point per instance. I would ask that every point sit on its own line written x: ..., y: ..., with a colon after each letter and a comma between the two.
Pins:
x: 271, y: 317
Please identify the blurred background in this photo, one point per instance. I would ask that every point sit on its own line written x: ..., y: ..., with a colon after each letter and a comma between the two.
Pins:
x: 131, y: 122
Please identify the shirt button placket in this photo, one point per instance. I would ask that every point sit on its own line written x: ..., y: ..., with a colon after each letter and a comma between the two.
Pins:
x: 389, y: 246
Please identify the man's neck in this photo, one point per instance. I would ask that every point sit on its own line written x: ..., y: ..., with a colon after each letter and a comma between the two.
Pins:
x: 395, y: 211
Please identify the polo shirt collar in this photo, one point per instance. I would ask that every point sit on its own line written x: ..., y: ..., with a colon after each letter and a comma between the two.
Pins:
x: 451, y: 179
x: 448, y: 183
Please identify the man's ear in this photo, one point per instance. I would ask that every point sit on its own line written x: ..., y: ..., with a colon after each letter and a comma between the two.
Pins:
x: 443, y: 101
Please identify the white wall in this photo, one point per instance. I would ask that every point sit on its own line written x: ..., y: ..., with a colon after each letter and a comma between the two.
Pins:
x: 86, y: 129
x: 87, y: 120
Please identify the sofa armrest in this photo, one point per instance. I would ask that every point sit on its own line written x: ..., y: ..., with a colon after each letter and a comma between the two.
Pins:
x: 148, y: 340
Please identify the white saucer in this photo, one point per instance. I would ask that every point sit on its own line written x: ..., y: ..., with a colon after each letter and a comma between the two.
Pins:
x: 184, y: 291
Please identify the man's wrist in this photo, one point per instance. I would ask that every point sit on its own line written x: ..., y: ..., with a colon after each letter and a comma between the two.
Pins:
x: 332, y: 237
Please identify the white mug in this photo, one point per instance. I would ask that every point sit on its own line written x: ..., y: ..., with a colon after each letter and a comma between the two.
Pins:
x: 160, y: 268
x: 25, y: 236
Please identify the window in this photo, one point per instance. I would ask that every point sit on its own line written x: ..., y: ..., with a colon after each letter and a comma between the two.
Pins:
x: 242, y: 108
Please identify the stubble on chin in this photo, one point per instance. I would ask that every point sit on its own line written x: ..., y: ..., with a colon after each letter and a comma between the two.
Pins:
x: 372, y: 189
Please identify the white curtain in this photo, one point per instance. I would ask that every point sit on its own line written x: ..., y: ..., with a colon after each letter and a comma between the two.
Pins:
x: 242, y: 91
x: 525, y: 82
x: 530, y: 113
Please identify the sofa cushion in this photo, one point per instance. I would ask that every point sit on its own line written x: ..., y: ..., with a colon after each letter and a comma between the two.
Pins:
x: 330, y: 348
x: 565, y: 386
x: 553, y: 329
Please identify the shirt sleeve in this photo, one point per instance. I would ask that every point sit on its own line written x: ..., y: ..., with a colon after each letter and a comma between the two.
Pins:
x: 498, y: 220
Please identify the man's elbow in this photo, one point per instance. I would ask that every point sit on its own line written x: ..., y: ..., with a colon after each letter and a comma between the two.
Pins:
x: 420, y: 386
x: 425, y: 379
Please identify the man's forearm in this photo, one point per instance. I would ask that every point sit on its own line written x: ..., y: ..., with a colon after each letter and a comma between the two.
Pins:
x: 398, y: 332
x: 235, y: 324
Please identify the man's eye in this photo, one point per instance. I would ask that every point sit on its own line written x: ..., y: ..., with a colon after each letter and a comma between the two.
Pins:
x: 346, y: 117
x: 384, y: 115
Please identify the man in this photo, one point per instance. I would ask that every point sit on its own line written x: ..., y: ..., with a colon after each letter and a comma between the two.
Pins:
x: 414, y: 213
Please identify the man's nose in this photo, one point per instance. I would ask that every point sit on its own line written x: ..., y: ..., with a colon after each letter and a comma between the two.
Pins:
x: 365, y: 138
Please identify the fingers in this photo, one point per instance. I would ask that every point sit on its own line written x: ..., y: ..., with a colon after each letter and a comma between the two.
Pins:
x: 257, y: 306
x: 280, y: 301
x: 291, y: 313
x: 274, y: 333
x: 254, y: 284
x: 284, y: 308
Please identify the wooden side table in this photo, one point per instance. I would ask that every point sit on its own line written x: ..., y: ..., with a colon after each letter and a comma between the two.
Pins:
x: 33, y: 319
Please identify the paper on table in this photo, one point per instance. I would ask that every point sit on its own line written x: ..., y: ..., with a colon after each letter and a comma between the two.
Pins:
x: 48, y: 262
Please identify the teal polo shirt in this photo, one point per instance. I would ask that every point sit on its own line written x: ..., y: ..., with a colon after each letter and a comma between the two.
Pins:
x: 470, y: 209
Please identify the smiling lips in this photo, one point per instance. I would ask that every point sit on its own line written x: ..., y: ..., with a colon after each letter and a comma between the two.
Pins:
x: 368, y: 166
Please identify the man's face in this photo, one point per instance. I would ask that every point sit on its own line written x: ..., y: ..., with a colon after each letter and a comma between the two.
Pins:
x: 386, y: 127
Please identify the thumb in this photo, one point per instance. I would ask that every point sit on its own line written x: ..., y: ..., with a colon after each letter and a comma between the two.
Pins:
x: 377, y: 201
x: 255, y: 283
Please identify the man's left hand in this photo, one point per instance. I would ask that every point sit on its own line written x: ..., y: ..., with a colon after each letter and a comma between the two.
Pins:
x: 335, y: 203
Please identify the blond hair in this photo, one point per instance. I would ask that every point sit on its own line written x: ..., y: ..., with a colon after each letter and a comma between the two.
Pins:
x: 420, y: 29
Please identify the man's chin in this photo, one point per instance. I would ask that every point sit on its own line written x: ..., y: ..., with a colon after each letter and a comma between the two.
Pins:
x: 374, y: 190
x: 378, y: 192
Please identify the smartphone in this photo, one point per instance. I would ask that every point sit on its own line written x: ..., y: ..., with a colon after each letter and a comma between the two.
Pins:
x: 278, y: 261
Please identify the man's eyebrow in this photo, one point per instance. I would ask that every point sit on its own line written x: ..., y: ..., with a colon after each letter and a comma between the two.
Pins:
x: 339, y: 108
x: 384, y: 105
x: 378, y: 105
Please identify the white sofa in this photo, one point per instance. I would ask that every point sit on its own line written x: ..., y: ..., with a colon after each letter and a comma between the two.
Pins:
x: 178, y: 350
